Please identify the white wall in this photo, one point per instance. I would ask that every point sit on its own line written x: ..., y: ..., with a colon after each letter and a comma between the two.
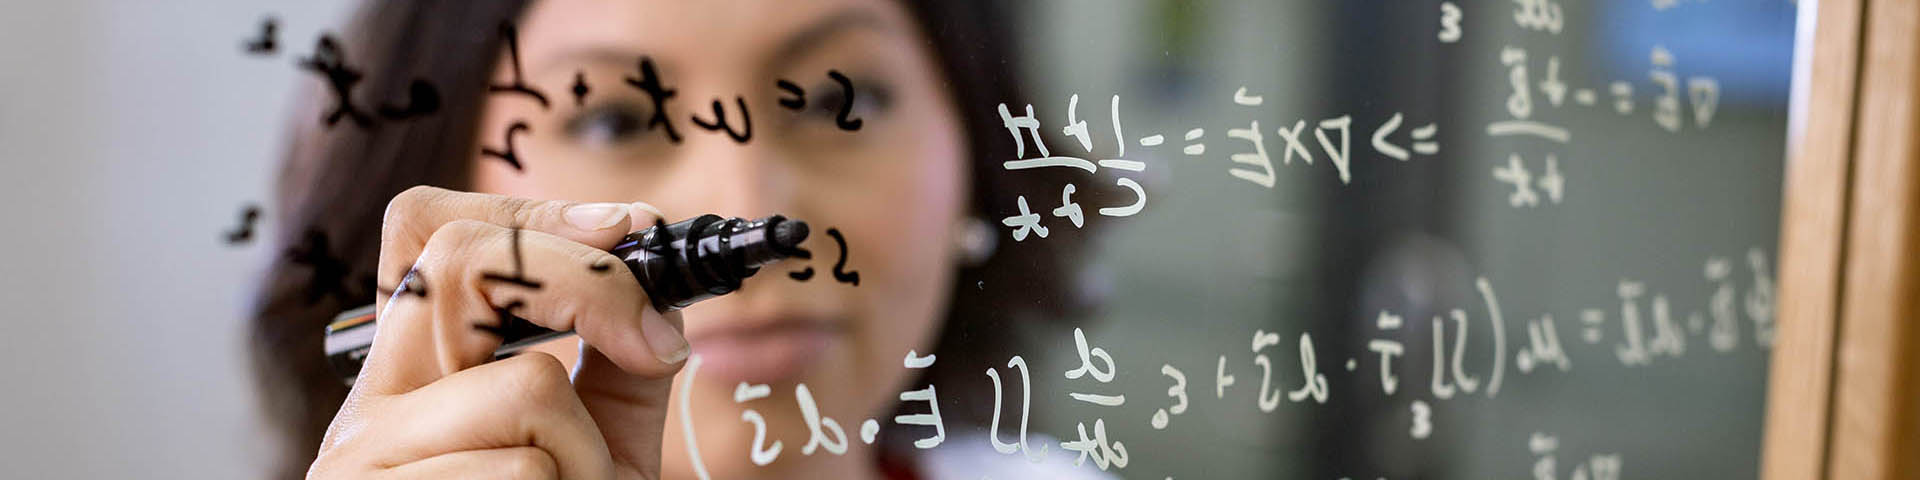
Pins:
x: 132, y: 132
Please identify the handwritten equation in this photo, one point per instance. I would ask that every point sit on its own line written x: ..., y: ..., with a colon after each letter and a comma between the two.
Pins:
x: 1260, y: 379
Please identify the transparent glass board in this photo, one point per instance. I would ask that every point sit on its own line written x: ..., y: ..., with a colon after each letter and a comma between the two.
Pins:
x: 1298, y: 239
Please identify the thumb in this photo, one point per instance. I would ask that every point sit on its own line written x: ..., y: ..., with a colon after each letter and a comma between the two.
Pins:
x: 630, y: 409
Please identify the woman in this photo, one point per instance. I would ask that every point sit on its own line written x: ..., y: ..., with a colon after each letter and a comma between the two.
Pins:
x: 913, y: 189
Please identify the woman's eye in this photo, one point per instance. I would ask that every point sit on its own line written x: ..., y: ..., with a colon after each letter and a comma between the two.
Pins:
x: 609, y: 124
x: 869, y: 100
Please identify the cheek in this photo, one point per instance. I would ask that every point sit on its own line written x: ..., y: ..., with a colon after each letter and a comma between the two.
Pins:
x: 912, y: 228
x: 904, y: 229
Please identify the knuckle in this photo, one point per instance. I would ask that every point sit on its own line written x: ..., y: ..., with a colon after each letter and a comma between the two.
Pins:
x: 540, y: 378
x: 334, y: 464
x: 451, y: 254
x: 458, y: 236
x: 528, y: 463
x: 403, y: 206
x: 527, y: 212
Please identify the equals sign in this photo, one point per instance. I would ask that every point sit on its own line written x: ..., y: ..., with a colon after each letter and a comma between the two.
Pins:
x: 1423, y: 137
x: 1592, y: 318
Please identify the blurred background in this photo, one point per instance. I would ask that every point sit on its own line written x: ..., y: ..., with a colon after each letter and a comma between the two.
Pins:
x: 134, y: 133
x: 138, y: 132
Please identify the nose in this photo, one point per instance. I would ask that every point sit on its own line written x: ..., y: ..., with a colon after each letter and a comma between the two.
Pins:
x: 735, y: 179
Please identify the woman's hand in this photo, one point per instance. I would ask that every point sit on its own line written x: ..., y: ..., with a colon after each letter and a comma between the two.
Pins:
x: 428, y: 404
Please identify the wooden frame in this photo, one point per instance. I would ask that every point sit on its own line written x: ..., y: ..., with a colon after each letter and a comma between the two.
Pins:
x: 1843, y: 399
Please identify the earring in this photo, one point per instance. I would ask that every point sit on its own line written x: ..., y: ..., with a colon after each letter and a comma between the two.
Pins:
x: 973, y: 241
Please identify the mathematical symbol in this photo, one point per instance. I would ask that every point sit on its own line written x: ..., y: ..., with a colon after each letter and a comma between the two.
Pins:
x: 1028, y: 122
x: 1552, y: 86
x: 1592, y: 318
x: 509, y: 155
x: 1263, y: 339
x: 1585, y: 97
x: 840, y: 274
x: 505, y: 321
x: 265, y: 44
x: 1542, y: 347
x: 503, y: 316
x: 1077, y: 128
x: 1551, y: 182
x: 844, y: 119
x: 1068, y: 209
x: 802, y: 274
x: 518, y: 85
x: 1422, y: 420
x: 1340, y: 157
x: 1119, y: 139
x: 1103, y: 452
x: 518, y: 277
x: 1541, y: 443
x: 1380, y: 139
x: 330, y: 61
x: 1539, y: 15
x: 720, y: 121
x: 1449, y: 22
x: 1423, y: 136
x: 422, y: 100
x: 1704, y: 94
x: 1101, y: 400
x: 796, y: 102
x: 1240, y: 97
x: 868, y: 430
x: 580, y: 89
x: 1622, y: 97
x: 1220, y: 378
x: 330, y: 272
x: 1152, y: 140
x: 1388, y: 321
x: 1263, y: 176
x: 1516, y: 173
x: 649, y: 83
x: 1195, y: 148
x: 1292, y: 138
x: 1520, y: 102
x: 1526, y: 127
x: 244, y: 232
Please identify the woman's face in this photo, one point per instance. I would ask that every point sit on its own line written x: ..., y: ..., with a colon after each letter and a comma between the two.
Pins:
x: 895, y: 188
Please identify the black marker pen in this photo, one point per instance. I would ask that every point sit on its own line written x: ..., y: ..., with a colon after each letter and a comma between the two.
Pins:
x: 677, y: 265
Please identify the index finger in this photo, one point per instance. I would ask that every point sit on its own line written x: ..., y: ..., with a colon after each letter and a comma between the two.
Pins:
x: 415, y: 214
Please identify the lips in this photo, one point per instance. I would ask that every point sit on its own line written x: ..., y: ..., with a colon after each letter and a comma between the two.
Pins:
x: 762, y: 351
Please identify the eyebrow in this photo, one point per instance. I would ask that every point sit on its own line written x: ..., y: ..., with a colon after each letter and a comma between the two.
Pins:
x: 799, y: 43
x: 592, y: 55
x: 817, y: 33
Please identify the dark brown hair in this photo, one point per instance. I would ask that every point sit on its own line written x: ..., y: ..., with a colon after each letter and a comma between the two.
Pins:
x: 335, y: 183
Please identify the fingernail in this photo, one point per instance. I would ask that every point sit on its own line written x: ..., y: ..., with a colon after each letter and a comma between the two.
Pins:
x: 643, y: 207
x: 668, y: 344
x: 596, y: 216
